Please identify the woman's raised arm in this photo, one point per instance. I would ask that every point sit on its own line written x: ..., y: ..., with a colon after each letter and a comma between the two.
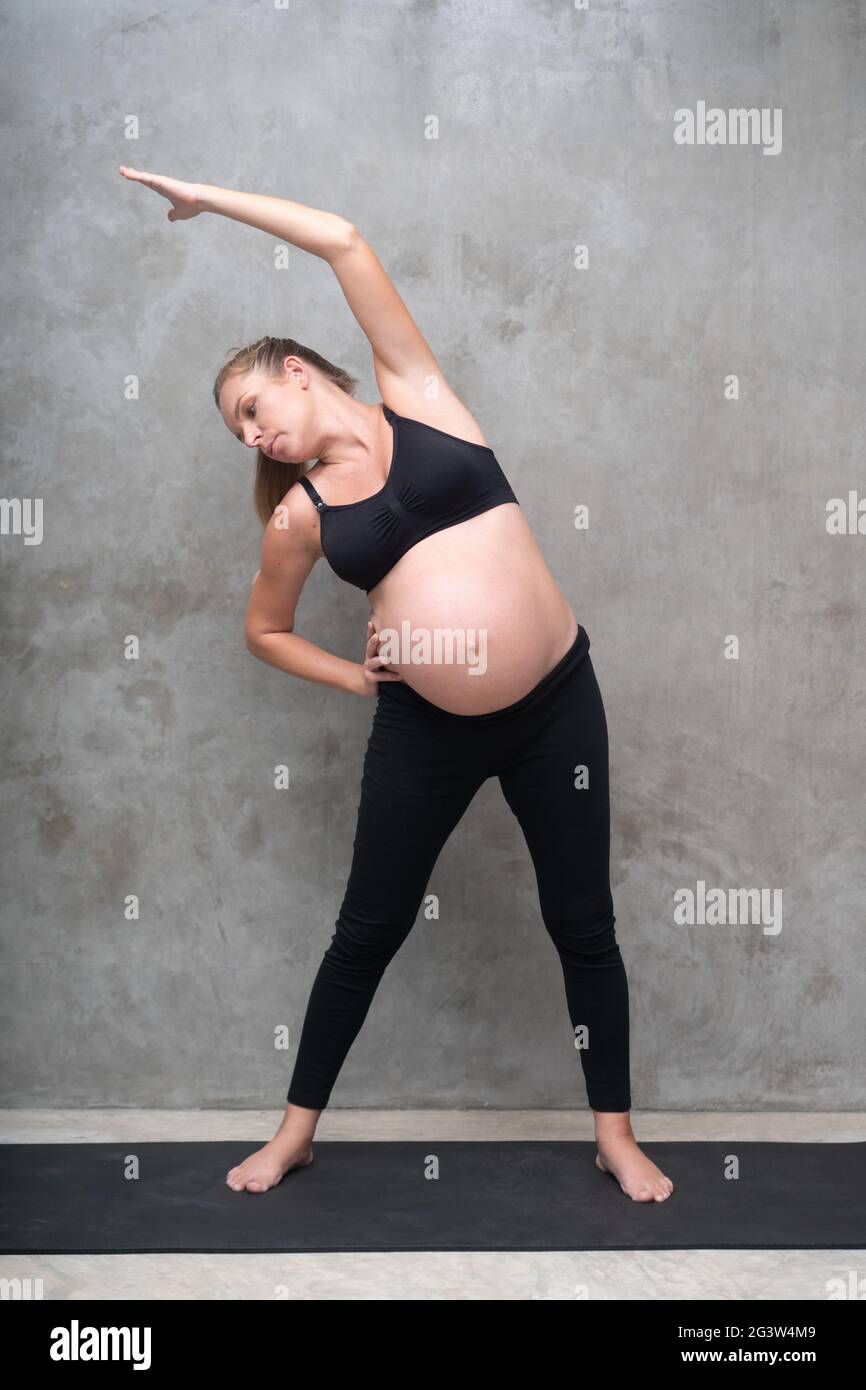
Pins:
x: 323, y: 234
x: 400, y: 352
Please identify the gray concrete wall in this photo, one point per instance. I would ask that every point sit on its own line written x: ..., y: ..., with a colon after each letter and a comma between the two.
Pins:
x: 738, y: 764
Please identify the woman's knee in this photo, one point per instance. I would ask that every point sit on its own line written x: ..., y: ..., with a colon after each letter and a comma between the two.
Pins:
x: 582, y: 925
x: 362, y: 943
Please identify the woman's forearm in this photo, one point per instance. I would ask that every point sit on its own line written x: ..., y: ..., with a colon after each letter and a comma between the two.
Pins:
x: 298, y: 657
x: 322, y: 233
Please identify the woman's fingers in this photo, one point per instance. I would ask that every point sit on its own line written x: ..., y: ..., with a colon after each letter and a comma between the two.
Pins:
x: 373, y: 650
x: 382, y: 675
x: 184, y: 197
x: 374, y: 664
x: 139, y: 176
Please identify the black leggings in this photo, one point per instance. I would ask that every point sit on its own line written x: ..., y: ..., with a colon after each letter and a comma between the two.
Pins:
x: 422, y: 767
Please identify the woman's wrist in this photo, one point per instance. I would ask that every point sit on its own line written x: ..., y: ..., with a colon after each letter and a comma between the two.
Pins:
x: 358, y: 684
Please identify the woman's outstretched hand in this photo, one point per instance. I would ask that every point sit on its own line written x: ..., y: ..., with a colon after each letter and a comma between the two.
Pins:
x: 373, y: 670
x: 185, y: 198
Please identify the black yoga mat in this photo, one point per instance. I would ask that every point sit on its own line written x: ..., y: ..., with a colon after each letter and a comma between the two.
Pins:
x: 433, y: 1195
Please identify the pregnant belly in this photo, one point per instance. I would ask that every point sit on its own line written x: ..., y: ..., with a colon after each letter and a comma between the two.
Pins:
x: 471, y: 617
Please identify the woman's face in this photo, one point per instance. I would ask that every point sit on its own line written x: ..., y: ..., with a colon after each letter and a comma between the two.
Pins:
x: 270, y: 413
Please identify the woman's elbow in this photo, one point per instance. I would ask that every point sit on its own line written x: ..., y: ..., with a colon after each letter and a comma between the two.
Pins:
x: 253, y: 640
x: 258, y: 643
x: 347, y: 238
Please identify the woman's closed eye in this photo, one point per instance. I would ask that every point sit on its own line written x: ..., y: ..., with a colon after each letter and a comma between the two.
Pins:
x: 247, y: 411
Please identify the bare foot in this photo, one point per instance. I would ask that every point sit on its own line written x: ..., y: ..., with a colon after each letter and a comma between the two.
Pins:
x: 636, y: 1174
x: 269, y: 1165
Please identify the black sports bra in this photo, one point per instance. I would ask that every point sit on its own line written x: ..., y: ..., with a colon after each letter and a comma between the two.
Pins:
x: 435, y: 480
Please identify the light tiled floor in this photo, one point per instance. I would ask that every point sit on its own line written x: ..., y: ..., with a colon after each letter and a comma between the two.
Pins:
x: 620, y: 1274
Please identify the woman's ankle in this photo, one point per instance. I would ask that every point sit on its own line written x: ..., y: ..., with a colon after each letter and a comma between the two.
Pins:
x: 300, y: 1121
x: 613, y: 1123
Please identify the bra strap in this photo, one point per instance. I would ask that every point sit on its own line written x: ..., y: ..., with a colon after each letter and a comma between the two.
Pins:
x: 317, y: 501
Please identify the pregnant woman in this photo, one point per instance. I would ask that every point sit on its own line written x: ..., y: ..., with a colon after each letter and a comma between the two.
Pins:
x: 474, y: 657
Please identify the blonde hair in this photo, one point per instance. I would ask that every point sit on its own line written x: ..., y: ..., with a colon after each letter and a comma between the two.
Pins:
x: 274, y: 478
